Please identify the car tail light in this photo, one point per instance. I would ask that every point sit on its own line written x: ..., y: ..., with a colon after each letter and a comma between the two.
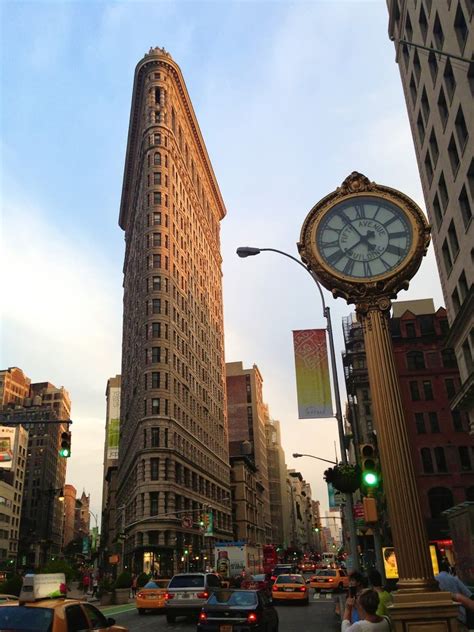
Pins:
x: 252, y: 617
x: 203, y: 617
x: 140, y: 594
x: 273, y: 578
x: 169, y: 596
x: 275, y: 587
x: 203, y: 595
x: 303, y: 589
x: 330, y: 580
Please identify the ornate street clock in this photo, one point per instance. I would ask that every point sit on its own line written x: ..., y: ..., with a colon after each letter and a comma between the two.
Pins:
x: 364, y: 239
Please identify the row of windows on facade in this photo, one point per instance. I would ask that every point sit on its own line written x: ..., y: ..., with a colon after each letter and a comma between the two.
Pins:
x: 416, y: 360
x: 432, y: 418
x: 456, y: 22
x: 426, y: 324
x: 434, y: 460
x: 182, y: 476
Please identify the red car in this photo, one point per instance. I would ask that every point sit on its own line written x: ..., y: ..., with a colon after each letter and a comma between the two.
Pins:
x: 257, y: 582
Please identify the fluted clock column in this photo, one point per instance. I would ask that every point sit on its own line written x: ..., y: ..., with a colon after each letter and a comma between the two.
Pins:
x: 409, y: 533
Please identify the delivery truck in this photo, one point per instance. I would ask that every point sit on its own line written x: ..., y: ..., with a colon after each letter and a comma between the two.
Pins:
x: 237, y: 558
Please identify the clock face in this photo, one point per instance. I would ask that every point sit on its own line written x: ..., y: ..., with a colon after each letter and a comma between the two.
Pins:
x: 364, y: 237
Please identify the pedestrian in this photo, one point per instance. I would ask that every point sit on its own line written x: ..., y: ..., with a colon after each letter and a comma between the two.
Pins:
x: 134, y: 585
x: 385, y: 598
x: 451, y: 583
x: 357, y: 583
x: 369, y: 621
x: 86, y: 583
x: 95, y: 586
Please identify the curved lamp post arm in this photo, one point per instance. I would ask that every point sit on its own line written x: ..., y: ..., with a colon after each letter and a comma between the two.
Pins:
x: 296, y: 455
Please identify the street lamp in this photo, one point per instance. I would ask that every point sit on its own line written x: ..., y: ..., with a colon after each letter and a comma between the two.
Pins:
x: 248, y: 251
x: 296, y: 455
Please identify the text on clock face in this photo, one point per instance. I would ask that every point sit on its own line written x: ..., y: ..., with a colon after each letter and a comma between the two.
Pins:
x: 367, y: 238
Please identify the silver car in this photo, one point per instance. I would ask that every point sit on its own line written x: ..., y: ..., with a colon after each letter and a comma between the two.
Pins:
x: 188, y: 592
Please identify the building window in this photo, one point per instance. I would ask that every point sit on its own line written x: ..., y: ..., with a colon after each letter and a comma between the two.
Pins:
x: 155, y: 437
x: 461, y: 129
x: 417, y: 66
x: 155, y: 354
x: 463, y: 288
x: 156, y: 284
x: 453, y: 239
x: 423, y: 22
x: 415, y: 360
x: 427, y: 389
x: 410, y: 329
x: 157, y: 218
x: 460, y: 27
x: 434, y: 147
x: 156, y: 240
x: 427, y: 325
x: 157, y: 158
x: 154, y: 503
x: 420, y: 423
x: 408, y: 29
x: 157, y: 139
x: 443, y: 108
x: 421, y: 128
x: 413, y: 90
x: 465, y: 207
x: 453, y: 156
x: 470, y: 175
x: 443, y: 191
x: 155, y: 379
x: 156, y: 261
x: 457, y: 421
x: 157, y: 177
x: 440, y: 459
x: 155, y: 406
x: 449, y: 80
x: 156, y: 306
x: 448, y: 262
x: 467, y: 355
x: 455, y: 300
x: 428, y: 168
x: 157, y: 197
x: 414, y: 391
x: 450, y: 387
x: 440, y: 499
x: 465, y: 458
x: 434, y: 422
x: 425, y: 106
x: 156, y: 330
x: 438, y: 33
x: 427, y: 461
x: 154, y: 469
x: 433, y: 66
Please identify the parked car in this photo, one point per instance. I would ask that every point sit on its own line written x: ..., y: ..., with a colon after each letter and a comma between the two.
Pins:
x: 243, y: 610
x: 152, y: 595
x: 329, y: 579
x: 187, y: 593
x: 290, y: 588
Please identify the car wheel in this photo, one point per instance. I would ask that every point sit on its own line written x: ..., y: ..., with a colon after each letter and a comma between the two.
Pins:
x: 141, y: 611
x: 170, y: 618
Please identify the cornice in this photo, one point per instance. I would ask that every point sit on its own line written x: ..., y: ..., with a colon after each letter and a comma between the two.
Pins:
x: 159, y: 57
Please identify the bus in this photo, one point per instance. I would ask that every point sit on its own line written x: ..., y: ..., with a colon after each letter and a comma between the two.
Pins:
x: 270, y: 557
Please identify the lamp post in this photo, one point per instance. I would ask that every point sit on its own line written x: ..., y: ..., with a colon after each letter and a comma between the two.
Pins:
x: 49, y: 531
x: 247, y: 251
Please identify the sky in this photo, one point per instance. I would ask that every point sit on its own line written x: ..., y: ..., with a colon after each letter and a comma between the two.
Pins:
x: 291, y: 97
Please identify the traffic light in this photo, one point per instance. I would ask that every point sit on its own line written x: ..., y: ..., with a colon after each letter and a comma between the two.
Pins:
x: 369, y: 466
x: 65, y: 447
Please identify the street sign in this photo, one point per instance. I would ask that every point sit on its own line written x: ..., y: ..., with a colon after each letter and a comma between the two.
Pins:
x: 358, y: 510
x: 187, y: 522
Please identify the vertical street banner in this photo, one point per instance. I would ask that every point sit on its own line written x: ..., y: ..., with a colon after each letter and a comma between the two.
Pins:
x: 7, y: 445
x: 312, y: 374
x: 113, y: 433
x: 332, y: 499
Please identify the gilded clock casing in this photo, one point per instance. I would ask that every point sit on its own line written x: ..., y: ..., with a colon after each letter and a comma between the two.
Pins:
x: 385, y: 283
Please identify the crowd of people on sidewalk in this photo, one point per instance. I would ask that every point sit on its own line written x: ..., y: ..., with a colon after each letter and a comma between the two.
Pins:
x: 367, y: 605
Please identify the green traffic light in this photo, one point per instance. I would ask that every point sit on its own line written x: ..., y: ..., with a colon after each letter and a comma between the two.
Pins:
x: 370, y: 479
x: 186, y: 551
x: 65, y: 453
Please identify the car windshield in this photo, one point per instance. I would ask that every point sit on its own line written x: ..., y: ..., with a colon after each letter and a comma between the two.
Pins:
x: 258, y: 578
x: 187, y: 581
x: 282, y: 569
x: 233, y: 598
x: 151, y: 585
x: 26, y: 618
x: 326, y: 573
x: 290, y: 579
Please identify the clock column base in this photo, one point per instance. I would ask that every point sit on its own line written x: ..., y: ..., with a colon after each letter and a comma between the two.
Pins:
x: 424, y: 612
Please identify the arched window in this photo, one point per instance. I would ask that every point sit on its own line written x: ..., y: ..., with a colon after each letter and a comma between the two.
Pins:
x: 427, y: 461
x: 415, y: 360
x: 440, y: 499
x: 157, y: 158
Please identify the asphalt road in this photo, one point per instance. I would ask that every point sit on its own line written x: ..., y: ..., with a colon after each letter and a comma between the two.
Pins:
x: 317, y: 617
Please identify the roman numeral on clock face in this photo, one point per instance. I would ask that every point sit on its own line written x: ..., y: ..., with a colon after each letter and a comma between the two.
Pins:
x: 349, y: 266
x: 335, y: 257
x: 401, y: 233
x: 394, y: 250
x: 367, y: 269
x: 360, y: 211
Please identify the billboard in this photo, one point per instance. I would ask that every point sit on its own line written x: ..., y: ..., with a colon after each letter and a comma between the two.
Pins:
x: 390, y: 561
x: 7, y: 446
x: 312, y: 374
x: 113, y: 423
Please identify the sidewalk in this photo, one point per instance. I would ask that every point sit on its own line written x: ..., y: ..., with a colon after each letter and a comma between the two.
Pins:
x: 77, y: 593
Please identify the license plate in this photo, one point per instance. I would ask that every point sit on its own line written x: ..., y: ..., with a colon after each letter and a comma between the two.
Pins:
x: 184, y: 596
x: 288, y: 589
x: 152, y: 597
x: 225, y: 628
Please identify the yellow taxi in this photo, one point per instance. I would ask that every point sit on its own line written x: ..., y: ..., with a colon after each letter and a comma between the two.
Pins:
x: 39, y: 610
x: 290, y: 588
x: 152, y: 595
x: 329, y: 579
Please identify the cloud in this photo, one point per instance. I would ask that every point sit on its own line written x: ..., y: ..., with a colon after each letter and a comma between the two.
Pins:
x: 62, y: 323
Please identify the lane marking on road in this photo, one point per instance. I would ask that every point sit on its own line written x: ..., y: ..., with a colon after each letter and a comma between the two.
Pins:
x: 118, y: 609
x: 319, y: 596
